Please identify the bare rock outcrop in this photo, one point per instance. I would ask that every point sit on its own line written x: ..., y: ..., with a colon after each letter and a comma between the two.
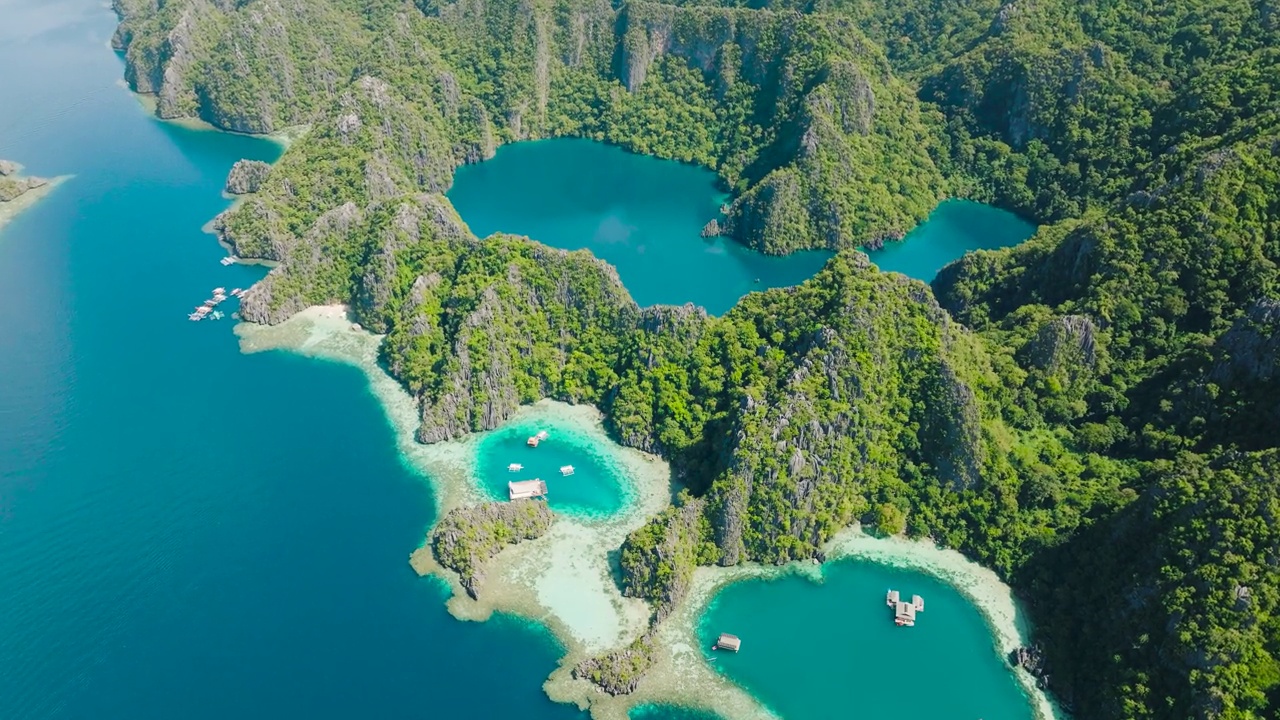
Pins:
x: 247, y: 176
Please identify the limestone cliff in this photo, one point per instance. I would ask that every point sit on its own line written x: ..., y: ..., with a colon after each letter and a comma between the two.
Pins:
x: 802, y: 114
x: 806, y: 452
x: 466, y: 538
x: 658, y: 560
x: 619, y: 672
x: 246, y: 176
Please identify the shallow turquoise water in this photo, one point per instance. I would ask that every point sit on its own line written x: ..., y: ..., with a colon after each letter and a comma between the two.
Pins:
x: 952, y: 229
x: 669, y: 712
x: 641, y: 214
x: 185, y: 531
x: 594, y: 490
x: 818, y: 651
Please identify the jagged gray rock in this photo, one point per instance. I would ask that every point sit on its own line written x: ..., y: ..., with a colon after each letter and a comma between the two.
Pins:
x: 619, y: 672
x: 13, y: 185
x: 466, y: 538
x: 247, y: 176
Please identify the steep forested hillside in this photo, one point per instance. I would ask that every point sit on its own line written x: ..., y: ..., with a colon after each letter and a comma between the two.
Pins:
x: 1095, y: 413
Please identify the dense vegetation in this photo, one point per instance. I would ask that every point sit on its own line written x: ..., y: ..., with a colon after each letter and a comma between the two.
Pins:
x: 1094, y: 413
x: 466, y: 538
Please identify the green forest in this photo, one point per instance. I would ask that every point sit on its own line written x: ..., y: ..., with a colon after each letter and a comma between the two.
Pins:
x: 1095, y: 413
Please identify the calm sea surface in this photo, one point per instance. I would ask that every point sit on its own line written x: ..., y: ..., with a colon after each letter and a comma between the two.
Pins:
x: 188, y: 532
x: 644, y: 215
x: 593, y: 490
x: 641, y: 214
x: 814, y: 651
x: 952, y: 229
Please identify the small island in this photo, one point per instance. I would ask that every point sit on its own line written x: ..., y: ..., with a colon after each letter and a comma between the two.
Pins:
x: 19, y: 192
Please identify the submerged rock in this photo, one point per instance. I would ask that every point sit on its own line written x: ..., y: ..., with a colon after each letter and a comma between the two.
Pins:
x: 466, y: 538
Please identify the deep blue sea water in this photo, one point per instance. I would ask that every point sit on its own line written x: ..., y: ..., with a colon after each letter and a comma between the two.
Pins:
x: 185, y: 531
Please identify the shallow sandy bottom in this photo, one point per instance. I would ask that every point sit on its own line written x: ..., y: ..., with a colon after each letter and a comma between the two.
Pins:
x: 9, y: 210
x: 564, y: 578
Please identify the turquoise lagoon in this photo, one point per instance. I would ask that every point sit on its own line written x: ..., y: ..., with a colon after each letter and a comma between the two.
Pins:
x: 187, y: 531
x: 641, y: 214
x: 953, y: 228
x: 818, y: 650
x: 596, y: 489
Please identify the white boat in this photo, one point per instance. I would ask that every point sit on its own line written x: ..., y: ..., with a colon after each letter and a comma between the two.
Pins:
x: 566, y: 470
x: 515, y: 467
x: 229, y: 260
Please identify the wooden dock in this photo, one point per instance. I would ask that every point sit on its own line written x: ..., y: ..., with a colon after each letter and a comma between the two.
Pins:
x: 526, y: 489
x: 732, y: 643
x: 904, y: 613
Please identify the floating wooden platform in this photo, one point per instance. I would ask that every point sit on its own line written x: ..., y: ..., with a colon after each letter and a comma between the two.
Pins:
x: 728, y: 642
x: 526, y: 489
x: 904, y: 613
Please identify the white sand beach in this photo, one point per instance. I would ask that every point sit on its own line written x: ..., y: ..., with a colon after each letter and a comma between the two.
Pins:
x: 563, y: 579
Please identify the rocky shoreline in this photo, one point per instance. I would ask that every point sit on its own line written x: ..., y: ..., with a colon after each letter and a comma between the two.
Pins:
x: 466, y: 538
x: 619, y: 654
x: 19, y: 192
